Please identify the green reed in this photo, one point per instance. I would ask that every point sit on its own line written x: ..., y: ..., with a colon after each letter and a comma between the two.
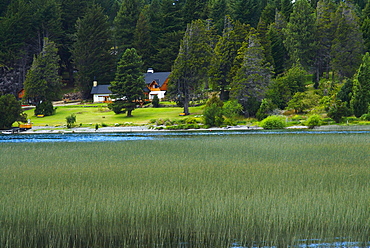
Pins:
x: 199, y: 192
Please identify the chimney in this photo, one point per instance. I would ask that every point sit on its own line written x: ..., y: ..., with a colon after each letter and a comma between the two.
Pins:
x: 150, y: 70
x: 95, y: 83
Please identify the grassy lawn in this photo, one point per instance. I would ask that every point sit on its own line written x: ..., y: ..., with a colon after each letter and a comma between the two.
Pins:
x: 91, y: 114
x: 265, y: 190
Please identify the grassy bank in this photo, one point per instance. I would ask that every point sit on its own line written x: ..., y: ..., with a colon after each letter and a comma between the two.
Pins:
x: 198, y: 192
x: 91, y: 114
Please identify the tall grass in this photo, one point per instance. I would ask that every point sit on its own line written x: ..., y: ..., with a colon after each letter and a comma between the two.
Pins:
x: 271, y: 190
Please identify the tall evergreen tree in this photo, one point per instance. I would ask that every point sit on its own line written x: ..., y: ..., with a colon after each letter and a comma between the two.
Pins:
x: 225, y: 53
x: 42, y: 81
x: 361, y: 88
x: 92, y: 50
x: 125, y: 23
x: 299, y: 34
x: 246, y: 11
x: 286, y: 8
x: 142, y: 38
x: 190, y: 68
x: 365, y: 26
x: 250, y: 83
x: 348, y: 44
x: 167, y: 31
x: 218, y: 11
x: 194, y: 10
x: 325, y: 31
x: 127, y: 88
x: 278, y: 51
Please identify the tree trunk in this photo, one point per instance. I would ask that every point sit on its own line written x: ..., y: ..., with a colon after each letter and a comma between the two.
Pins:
x: 186, y: 105
x: 129, y: 112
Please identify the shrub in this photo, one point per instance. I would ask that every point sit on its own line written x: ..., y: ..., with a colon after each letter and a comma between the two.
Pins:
x: 212, y: 113
x: 313, y: 121
x: 71, y: 120
x: 273, y: 122
x: 365, y: 117
x: 45, y: 108
x: 191, y: 120
x: 155, y: 101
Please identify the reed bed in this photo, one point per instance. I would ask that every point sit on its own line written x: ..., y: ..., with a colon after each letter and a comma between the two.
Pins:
x: 256, y: 190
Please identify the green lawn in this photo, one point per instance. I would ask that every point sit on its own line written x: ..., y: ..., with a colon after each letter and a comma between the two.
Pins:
x: 91, y: 114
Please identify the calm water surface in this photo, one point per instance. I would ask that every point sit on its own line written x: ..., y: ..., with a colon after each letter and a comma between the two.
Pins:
x: 130, y: 136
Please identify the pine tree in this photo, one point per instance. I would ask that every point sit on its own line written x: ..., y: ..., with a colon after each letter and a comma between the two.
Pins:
x: 42, y: 81
x: 127, y: 88
x: 225, y: 52
x: 325, y: 30
x: 218, y: 11
x: 250, y: 83
x: 361, y: 88
x: 246, y: 11
x: 125, y: 23
x: 194, y: 10
x: 190, y: 68
x: 142, y: 39
x: 365, y: 26
x: 92, y: 50
x: 299, y: 34
x: 278, y: 51
x: 348, y: 44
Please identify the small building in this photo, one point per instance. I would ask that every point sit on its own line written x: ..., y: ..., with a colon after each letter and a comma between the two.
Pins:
x: 101, y: 93
x: 156, y: 84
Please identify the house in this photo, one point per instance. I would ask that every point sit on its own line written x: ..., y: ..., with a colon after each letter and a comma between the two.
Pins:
x: 101, y: 93
x: 156, y: 84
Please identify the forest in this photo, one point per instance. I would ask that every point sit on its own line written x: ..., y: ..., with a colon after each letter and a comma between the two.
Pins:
x: 264, y: 54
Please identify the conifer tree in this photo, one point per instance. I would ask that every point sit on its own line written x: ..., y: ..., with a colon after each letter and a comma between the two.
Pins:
x: 43, y: 83
x: 361, y: 88
x: 348, y: 45
x: 129, y: 83
x: 142, y: 38
x: 325, y: 31
x: 278, y: 51
x: 125, y: 23
x: 250, y: 83
x: 92, y: 50
x: 299, y: 34
x: 190, y: 68
x: 225, y: 52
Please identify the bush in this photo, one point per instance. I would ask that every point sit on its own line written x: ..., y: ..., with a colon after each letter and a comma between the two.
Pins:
x: 273, y: 122
x: 117, y: 107
x: 313, y: 121
x: 365, y: 117
x: 155, y: 101
x: 212, y: 114
x: 44, y: 108
x: 71, y: 120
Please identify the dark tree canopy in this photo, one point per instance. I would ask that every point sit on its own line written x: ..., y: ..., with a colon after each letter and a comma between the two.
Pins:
x: 10, y: 111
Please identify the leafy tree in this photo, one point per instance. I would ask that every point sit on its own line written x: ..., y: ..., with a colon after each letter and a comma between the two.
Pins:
x: 338, y: 110
x: 212, y: 113
x: 361, y: 88
x: 251, y: 81
x: 265, y: 109
x: 190, y: 67
x: 225, y: 52
x: 92, y: 50
x: 10, y: 111
x: 302, y: 101
x: 127, y: 88
x: 43, y: 83
x: 299, y: 34
x: 347, y: 49
x: 345, y: 92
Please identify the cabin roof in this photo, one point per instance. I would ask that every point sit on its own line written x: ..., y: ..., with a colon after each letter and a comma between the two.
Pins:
x: 159, y: 77
x: 101, y: 89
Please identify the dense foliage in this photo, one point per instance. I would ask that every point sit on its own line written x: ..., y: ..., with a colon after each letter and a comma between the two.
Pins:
x: 246, y: 50
x: 10, y: 111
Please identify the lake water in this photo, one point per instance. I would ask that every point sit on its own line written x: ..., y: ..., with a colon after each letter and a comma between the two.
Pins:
x: 130, y: 136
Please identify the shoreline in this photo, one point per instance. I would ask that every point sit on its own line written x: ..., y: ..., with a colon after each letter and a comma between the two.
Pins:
x: 52, y: 129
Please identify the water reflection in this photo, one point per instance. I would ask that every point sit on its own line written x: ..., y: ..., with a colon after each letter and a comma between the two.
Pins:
x: 130, y: 136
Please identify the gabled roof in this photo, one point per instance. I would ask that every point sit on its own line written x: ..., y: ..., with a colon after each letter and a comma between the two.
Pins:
x: 101, y: 89
x: 159, y: 77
